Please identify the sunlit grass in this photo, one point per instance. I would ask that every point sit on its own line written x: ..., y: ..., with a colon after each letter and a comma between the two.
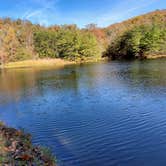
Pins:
x: 155, y: 56
x: 56, y: 62
x: 38, y: 63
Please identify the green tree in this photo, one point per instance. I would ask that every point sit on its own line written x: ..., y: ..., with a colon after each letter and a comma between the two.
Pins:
x: 66, y: 42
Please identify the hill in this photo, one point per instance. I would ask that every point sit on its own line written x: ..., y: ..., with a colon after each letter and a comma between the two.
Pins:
x: 142, y: 25
x: 155, y: 17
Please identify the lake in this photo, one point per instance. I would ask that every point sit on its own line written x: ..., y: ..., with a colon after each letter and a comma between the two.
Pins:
x: 98, y: 114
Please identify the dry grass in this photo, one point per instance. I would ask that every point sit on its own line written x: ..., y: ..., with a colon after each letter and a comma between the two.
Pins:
x: 38, y: 63
x: 155, y: 56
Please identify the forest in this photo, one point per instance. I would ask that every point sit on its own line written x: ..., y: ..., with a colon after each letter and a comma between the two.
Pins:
x: 138, y: 37
x: 135, y: 38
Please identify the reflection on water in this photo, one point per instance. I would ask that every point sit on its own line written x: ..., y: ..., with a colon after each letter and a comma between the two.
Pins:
x: 94, y: 114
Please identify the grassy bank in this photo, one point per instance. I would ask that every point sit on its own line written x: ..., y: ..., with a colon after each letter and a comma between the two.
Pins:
x: 59, y: 62
x: 16, y: 149
x: 155, y: 56
x: 37, y: 63
x: 47, y: 63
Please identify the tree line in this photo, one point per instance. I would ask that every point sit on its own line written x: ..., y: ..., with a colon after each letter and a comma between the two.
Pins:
x: 136, y: 37
x: 139, y: 42
x: 66, y: 42
x: 21, y: 40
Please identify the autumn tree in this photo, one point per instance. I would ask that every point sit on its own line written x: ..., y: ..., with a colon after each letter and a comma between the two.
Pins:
x: 10, y: 43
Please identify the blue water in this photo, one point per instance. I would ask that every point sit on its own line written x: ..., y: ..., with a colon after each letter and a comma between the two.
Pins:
x: 99, y: 114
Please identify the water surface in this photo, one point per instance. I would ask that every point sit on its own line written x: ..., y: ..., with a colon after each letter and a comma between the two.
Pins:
x: 101, y: 114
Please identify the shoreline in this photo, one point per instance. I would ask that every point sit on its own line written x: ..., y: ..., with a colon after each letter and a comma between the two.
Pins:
x: 56, y: 62
x: 155, y: 56
x: 16, y: 148
x: 44, y: 63
x: 37, y: 63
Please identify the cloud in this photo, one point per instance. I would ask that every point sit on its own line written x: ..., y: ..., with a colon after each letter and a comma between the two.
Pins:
x: 48, y: 12
x: 43, y: 11
x: 32, y: 14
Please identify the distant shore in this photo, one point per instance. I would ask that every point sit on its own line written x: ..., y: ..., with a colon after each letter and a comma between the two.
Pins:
x: 155, y: 56
x: 37, y: 63
x: 56, y: 62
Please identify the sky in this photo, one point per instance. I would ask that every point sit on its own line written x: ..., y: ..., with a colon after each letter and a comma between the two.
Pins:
x: 80, y: 12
